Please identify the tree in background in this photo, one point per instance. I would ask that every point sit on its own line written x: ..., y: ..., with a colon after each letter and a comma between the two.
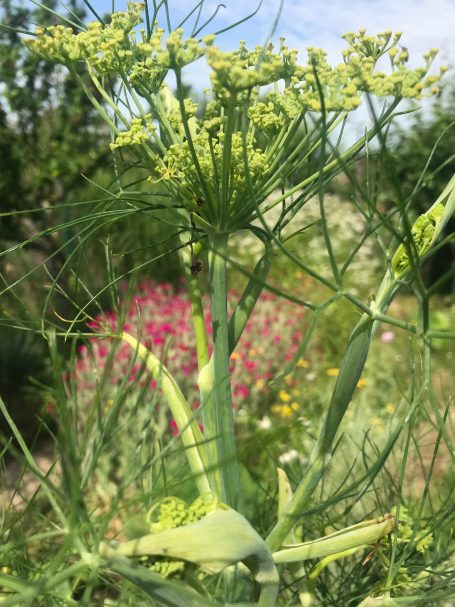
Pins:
x: 49, y: 135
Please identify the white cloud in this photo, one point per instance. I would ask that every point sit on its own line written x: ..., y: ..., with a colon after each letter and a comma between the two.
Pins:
x: 425, y: 24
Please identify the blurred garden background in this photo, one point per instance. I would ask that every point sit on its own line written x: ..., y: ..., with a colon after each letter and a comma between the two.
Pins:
x: 55, y: 162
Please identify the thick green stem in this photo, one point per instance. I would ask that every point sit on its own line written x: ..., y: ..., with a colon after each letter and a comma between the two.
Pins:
x: 197, y: 311
x: 218, y: 416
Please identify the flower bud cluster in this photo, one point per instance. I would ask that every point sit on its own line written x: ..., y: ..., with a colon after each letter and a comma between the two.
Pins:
x: 242, y: 70
x: 316, y: 84
x: 138, y: 133
x: 178, y: 161
x: 423, y: 539
x: 174, y: 512
x: 423, y: 232
x: 106, y: 48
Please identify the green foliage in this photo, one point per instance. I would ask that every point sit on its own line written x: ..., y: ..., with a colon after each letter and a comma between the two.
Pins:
x: 52, y: 131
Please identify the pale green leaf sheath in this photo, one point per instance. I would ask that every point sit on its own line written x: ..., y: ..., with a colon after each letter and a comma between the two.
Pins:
x: 220, y: 539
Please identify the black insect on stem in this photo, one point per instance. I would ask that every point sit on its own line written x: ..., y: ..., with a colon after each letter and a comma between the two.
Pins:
x: 195, y: 267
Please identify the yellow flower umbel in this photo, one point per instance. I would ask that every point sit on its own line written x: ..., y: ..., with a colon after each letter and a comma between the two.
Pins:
x: 231, y: 155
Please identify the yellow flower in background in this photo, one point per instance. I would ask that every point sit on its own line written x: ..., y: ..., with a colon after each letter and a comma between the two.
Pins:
x: 252, y: 352
x: 284, y: 396
x: 108, y: 405
x: 284, y: 410
x: 377, y: 423
x: 390, y: 408
x: 303, y: 362
x: 332, y: 372
x: 361, y: 383
x: 295, y: 406
x: 235, y: 356
x: 260, y: 384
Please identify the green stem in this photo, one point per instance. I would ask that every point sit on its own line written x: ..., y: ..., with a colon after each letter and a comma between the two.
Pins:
x: 356, y: 536
x: 219, y: 418
x: 197, y: 310
x: 339, y: 161
x: 348, y: 377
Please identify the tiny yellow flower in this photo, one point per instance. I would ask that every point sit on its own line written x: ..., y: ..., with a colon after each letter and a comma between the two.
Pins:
x: 332, y: 372
x: 361, y: 383
x: 284, y: 396
x: 260, y: 384
x: 276, y: 409
x: 390, y: 408
x: 295, y: 406
x: 235, y: 356
x: 377, y: 422
x: 252, y: 352
x: 303, y: 362
x: 108, y: 405
x: 286, y: 411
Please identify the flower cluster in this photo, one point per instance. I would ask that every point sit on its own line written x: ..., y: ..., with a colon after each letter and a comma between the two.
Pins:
x: 407, y: 532
x: 423, y: 232
x: 178, y: 163
x: 203, y: 153
x: 105, y: 47
x: 138, y: 133
x: 316, y: 85
x: 172, y: 512
x: 115, y: 47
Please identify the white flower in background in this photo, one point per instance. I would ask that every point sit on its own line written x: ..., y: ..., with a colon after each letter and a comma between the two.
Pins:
x: 289, y: 456
x: 265, y: 423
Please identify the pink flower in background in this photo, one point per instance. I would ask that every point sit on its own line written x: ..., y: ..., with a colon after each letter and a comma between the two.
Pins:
x: 162, y: 319
x: 387, y: 337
